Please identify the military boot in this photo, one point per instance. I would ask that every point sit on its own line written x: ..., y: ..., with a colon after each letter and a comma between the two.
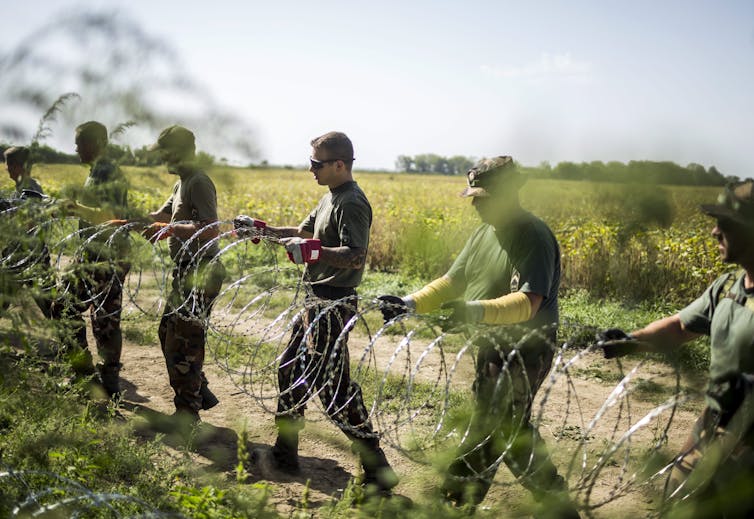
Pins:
x: 285, y: 450
x: 378, y: 474
x: 109, y: 378
x: 209, y: 400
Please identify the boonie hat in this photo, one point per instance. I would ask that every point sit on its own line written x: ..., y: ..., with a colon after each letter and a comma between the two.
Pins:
x: 490, y: 176
x: 736, y: 202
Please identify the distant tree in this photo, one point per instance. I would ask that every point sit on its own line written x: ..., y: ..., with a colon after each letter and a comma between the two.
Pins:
x: 459, y: 165
x: 404, y: 163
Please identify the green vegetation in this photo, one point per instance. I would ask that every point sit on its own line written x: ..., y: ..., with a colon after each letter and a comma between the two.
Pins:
x: 631, y: 254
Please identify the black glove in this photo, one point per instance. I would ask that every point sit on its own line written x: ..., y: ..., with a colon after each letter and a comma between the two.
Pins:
x: 461, y: 313
x: 392, y: 306
x: 614, y: 342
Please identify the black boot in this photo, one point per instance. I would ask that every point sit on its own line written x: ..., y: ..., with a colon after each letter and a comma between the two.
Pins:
x: 378, y: 474
x: 209, y: 400
x: 109, y: 378
x: 285, y: 454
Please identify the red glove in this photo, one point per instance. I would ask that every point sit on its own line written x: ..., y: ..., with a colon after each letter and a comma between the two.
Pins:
x: 247, y: 226
x: 302, y: 250
x: 157, y: 231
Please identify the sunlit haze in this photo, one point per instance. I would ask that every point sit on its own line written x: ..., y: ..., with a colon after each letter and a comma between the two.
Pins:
x: 562, y: 81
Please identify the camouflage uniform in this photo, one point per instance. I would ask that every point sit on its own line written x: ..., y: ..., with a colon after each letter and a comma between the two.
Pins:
x: 511, y: 362
x: 509, y: 256
x: 316, y: 359
x: 725, y: 312
x: 197, y: 280
x: 26, y: 261
x: 96, y: 279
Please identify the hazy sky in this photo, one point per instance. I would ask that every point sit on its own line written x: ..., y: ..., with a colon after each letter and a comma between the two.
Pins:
x: 571, y: 80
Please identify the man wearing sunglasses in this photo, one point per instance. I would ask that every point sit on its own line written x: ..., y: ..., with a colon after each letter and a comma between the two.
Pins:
x: 332, y: 242
x: 724, y: 312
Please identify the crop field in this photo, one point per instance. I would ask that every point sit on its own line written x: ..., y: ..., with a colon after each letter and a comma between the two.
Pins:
x: 630, y: 242
x: 630, y: 253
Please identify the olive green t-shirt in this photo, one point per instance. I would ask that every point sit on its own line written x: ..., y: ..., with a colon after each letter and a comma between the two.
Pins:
x: 105, y: 188
x: 342, y: 217
x: 728, y: 318
x: 524, y: 256
x: 194, y: 199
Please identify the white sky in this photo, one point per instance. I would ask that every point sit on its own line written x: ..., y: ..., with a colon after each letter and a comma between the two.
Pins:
x: 571, y: 80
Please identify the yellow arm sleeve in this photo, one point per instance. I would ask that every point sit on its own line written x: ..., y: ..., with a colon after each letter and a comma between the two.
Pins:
x: 508, y: 309
x: 433, y: 295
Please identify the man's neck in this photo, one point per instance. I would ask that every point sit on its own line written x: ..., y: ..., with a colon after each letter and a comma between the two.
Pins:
x: 346, y: 180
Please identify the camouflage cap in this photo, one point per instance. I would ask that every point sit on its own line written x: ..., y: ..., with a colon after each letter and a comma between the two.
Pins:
x: 16, y: 155
x: 736, y: 202
x: 175, y: 139
x: 491, y: 176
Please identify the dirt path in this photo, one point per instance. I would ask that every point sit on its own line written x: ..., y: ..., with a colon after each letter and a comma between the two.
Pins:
x: 571, y: 402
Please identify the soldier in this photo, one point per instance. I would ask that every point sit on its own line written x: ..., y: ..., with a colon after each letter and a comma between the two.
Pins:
x: 18, y: 162
x: 97, y: 279
x: 26, y: 261
x: 724, y: 312
x: 507, y: 273
x: 332, y: 241
x: 188, y: 219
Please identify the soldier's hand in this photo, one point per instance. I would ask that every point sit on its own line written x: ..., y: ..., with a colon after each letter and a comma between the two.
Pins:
x: 391, y: 307
x: 246, y: 226
x: 461, y: 312
x: 615, y: 343
x: 157, y: 231
x: 302, y: 250
x: 116, y: 223
x: 68, y: 207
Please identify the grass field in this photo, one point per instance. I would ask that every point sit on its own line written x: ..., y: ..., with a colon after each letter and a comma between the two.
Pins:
x: 628, y: 242
x: 630, y: 254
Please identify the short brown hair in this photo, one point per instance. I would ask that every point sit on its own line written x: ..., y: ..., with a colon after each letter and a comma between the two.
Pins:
x: 92, y: 131
x: 18, y: 155
x: 337, y: 145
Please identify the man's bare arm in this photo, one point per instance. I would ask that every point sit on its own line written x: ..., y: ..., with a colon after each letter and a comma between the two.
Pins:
x: 665, y: 334
x: 209, y: 230
x: 344, y: 257
x: 286, y: 232
x: 159, y: 216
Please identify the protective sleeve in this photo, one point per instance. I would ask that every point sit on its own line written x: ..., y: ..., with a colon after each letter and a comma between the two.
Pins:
x: 434, y: 294
x: 508, y: 309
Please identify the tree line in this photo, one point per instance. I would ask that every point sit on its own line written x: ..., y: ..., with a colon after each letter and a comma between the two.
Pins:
x: 643, y: 171
x: 123, y: 155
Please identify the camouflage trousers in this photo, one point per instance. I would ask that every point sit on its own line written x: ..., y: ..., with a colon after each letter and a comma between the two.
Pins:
x: 183, y: 329
x: 98, y: 287
x: 32, y: 272
x: 506, y: 381
x: 316, y: 361
x: 728, y: 493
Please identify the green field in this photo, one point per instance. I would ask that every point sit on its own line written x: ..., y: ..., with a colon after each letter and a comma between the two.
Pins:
x: 624, y: 241
x: 631, y: 253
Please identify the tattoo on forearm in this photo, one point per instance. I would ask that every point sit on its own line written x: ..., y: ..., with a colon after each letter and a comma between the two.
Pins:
x: 345, y: 257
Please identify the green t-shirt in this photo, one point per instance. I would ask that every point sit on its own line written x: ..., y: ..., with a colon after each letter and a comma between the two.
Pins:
x: 729, y: 322
x: 194, y: 199
x: 343, y: 217
x: 105, y: 188
x: 523, y: 256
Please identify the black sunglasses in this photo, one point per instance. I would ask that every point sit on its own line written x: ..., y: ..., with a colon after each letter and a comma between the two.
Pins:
x: 319, y: 164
